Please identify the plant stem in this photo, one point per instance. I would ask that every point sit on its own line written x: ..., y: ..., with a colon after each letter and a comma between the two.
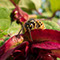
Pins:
x: 38, y: 12
x: 53, y: 15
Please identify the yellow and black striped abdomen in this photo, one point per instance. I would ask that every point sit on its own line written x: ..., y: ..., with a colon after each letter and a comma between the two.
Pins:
x: 40, y: 25
x: 34, y: 24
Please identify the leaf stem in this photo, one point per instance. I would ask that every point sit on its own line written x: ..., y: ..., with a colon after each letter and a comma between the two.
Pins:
x: 39, y: 12
x: 53, y: 15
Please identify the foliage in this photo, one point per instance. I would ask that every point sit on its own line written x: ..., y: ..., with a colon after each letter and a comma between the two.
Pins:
x: 55, y: 5
x: 30, y: 4
x: 1, y: 42
x: 4, y: 3
x: 45, y: 43
x: 5, y: 26
x: 51, y: 25
x: 16, y: 1
x: 27, y: 47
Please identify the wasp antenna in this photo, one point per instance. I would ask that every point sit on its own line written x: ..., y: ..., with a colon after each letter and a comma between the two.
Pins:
x: 30, y: 33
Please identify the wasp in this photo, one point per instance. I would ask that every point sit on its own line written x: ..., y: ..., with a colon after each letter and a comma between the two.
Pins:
x: 29, y: 25
x: 33, y: 24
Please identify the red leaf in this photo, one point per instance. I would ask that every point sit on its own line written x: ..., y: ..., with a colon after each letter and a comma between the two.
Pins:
x: 9, y: 52
x: 56, y: 52
x: 24, y: 44
x: 46, y: 45
x: 47, y: 39
x: 49, y: 35
x: 39, y: 35
x: 6, y: 54
x: 13, y: 41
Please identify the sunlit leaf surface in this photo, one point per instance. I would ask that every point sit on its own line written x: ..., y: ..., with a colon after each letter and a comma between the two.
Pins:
x: 55, y: 5
x: 51, y: 25
x: 30, y: 4
x: 16, y: 1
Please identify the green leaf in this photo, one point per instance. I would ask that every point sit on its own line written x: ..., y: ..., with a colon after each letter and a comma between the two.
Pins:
x: 48, y: 26
x: 2, y: 34
x: 6, y: 4
x: 6, y: 39
x: 1, y: 43
x: 58, y: 58
x: 16, y: 1
x: 14, y: 28
x: 30, y: 4
x: 4, y: 13
x: 51, y: 25
x: 37, y: 3
x: 4, y: 20
x: 47, y: 14
x: 55, y: 5
x: 5, y: 23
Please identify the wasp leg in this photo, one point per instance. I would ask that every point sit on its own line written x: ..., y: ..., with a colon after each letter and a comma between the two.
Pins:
x: 20, y: 32
x: 30, y: 33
